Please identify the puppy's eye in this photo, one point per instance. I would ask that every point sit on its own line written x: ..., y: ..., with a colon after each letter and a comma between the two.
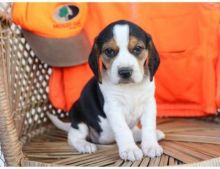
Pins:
x: 110, y: 52
x: 137, y: 50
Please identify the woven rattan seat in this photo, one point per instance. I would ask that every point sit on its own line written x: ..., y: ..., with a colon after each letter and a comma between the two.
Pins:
x: 29, y: 139
x: 185, y: 143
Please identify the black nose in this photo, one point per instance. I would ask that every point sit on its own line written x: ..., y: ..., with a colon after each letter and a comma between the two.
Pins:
x: 125, y: 72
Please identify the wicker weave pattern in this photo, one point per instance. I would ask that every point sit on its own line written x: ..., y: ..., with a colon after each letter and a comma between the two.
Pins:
x: 23, y: 92
x: 13, y: 147
x: 27, y: 80
x: 2, y: 159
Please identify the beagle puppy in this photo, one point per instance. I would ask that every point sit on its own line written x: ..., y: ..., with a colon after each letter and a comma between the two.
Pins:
x: 124, y: 61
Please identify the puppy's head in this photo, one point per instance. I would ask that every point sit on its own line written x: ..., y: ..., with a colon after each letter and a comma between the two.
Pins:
x: 127, y: 54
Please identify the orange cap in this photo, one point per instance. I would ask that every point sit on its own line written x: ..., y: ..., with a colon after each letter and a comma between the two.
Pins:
x: 55, y: 20
x: 54, y: 31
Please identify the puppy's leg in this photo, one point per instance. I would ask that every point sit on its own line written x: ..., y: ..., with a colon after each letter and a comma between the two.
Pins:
x: 149, y: 143
x: 137, y: 134
x: 128, y: 150
x: 77, y: 139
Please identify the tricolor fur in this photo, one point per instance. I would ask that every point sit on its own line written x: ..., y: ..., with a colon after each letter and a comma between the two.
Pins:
x: 124, y: 61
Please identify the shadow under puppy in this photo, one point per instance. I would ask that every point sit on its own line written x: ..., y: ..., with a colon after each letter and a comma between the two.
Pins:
x: 120, y: 93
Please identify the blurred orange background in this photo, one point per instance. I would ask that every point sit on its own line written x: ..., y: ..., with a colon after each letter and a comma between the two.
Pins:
x: 187, y: 38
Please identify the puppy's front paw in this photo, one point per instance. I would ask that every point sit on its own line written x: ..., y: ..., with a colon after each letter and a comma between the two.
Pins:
x: 152, y: 150
x: 131, y: 153
x: 85, y: 147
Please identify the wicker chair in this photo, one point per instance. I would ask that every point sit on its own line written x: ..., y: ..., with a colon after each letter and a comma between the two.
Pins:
x: 28, y: 138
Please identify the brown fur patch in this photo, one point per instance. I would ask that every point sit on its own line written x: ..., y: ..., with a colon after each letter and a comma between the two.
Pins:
x: 143, y: 56
x: 133, y: 42
x: 109, y: 44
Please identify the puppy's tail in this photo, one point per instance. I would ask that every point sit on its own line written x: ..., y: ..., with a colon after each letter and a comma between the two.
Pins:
x: 58, y: 123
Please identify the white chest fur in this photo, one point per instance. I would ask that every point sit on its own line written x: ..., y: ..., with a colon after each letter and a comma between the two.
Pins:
x: 127, y: 100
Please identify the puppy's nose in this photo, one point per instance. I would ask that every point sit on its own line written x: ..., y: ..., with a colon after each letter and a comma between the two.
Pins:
x: 125, y: 72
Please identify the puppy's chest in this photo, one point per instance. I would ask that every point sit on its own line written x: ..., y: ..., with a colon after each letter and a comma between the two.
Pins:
x: 130, y: 101
x: 132, y: 107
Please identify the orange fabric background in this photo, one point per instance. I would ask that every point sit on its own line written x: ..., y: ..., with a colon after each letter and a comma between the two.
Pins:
x: 186, y: 36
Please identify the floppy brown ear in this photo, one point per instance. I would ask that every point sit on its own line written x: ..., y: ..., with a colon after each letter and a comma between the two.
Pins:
x: 154, y: 59
x: 94, y: 61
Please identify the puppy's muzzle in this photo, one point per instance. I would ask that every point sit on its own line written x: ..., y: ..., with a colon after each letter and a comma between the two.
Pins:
x: 125, y: 72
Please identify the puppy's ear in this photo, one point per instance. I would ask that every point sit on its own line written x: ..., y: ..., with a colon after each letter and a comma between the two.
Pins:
x: 94, y: 61
x: 154, y: 59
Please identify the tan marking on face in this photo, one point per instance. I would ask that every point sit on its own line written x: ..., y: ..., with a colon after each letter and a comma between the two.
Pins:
x: 146, y: 59
x: 109, y: 44
x: 143, y: 56
x: 133, y: 42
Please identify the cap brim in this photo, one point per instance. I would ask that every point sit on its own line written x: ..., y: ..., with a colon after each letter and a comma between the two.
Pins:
x: 59, y: 52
